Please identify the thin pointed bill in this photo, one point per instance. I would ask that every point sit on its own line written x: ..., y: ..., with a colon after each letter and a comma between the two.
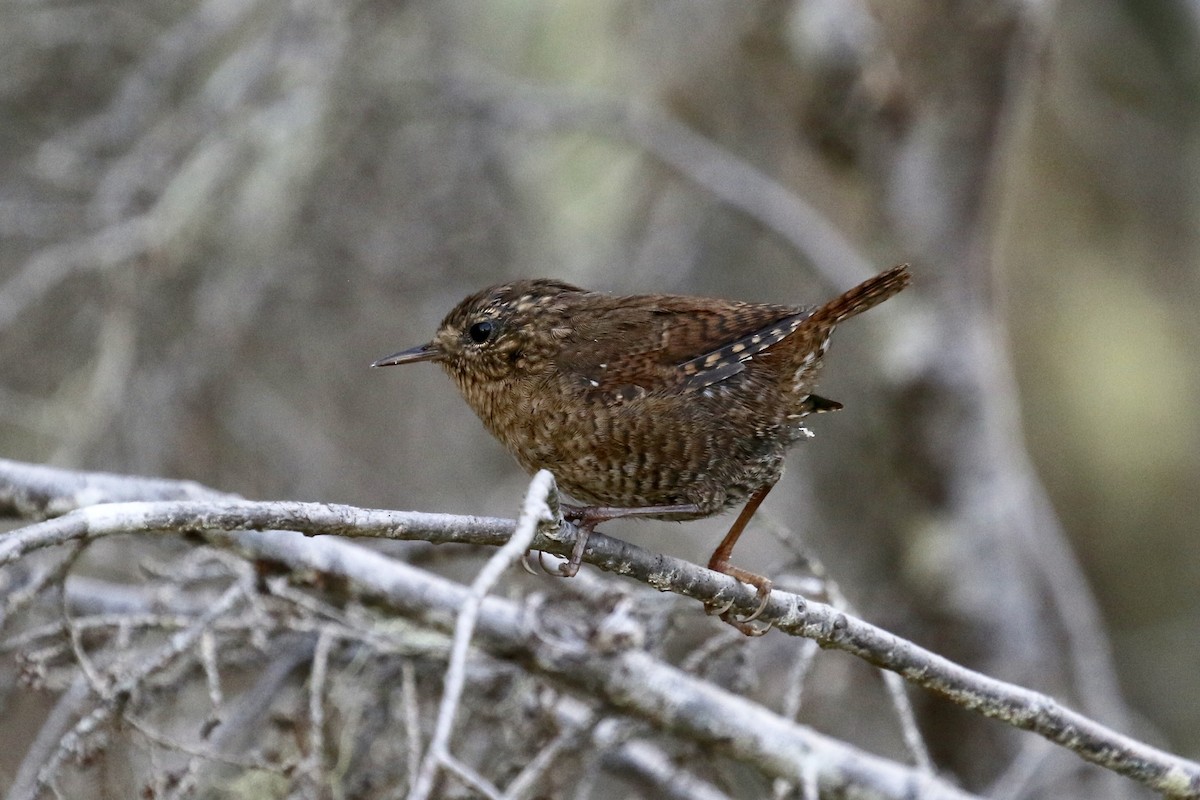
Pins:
x: 426, y: 352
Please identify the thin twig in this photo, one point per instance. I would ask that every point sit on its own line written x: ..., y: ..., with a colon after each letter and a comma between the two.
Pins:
x: 649, y: 764
x: 535, y: 512
x: 1013, y: 783
x: 893, y: 683
x: 572, y: 728
x: 53, y: 630
x: 15, y: 601
x: 114, y: 695
x: 909, y: 729
x: 313, y: 765
x: 98, y: 684
x: 806, y: 651
x: 281, y: 659
x: 412, y: 717
x: 470, y: 777
x: 201, y: 753
x: 1019, y: 707
x: 633, y: 681
x: 790, y: 613
x: 58, y: 722
x: 212, y: 678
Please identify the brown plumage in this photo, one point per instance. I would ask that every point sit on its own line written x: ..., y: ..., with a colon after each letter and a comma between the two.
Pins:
x: 648, y: 405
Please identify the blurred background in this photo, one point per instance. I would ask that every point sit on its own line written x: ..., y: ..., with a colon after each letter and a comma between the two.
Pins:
x: 214, y: 215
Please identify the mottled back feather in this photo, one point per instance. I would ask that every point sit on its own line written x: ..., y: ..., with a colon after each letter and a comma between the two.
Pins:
x: 668, y: 342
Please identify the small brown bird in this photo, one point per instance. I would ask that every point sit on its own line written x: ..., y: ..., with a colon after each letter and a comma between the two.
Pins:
x: 651, y: 405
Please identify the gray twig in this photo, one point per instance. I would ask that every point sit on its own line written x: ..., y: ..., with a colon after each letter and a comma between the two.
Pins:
x: 639, y: 685
x: 536, y: 511
x: 113, y: 696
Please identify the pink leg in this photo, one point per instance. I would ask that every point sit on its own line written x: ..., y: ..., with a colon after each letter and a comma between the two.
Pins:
x: 719, y: 562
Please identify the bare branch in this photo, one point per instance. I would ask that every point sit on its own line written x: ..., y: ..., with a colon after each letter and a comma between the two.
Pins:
x: 636, y: 759
x: 636, y: 682
x: 470, y: 777
x: 313, y: 765
x: 113, y: 696
x: 630, y: 680
x: 412, y: 718
x: 32, y: 491
x: 535, y: 512
x: 57, y: 723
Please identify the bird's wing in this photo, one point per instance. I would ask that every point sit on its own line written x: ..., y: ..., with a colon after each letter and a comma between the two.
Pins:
x: 647, y: 342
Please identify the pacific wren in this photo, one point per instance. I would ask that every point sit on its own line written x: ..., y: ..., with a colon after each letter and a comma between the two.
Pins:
x: 651, y: 405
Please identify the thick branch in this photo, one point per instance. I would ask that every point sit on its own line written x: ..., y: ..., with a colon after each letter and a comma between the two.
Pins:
x: 791, y: 613
x: 631, y: 680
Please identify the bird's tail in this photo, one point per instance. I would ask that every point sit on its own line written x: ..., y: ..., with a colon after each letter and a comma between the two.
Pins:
x: 867, y: 294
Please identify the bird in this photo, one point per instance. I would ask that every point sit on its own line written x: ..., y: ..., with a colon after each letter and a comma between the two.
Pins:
x: 654, y: 406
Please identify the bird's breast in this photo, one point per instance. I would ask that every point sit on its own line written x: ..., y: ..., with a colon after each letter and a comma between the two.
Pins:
x: 634, y: 447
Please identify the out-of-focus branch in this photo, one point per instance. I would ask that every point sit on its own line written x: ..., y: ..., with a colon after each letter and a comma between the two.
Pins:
x: 728, y: 177
x: 57, y: 724
x: 268, y: 532
x: 113, y: 696
x: 631, y: 680
x: 941, y: 187
x: 32, y: 491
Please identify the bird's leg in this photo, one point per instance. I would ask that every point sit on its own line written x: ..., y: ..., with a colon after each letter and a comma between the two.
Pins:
x: 719, y: 562
x: 586, y: 518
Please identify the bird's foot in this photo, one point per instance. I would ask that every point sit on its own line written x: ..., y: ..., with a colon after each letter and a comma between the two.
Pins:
x: 762, y: 586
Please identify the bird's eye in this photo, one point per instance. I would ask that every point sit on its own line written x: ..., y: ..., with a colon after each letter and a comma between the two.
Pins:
x: 482, y: 331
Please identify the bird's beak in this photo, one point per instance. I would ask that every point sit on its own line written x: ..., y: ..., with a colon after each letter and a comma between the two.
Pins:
x: 426, y: 352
